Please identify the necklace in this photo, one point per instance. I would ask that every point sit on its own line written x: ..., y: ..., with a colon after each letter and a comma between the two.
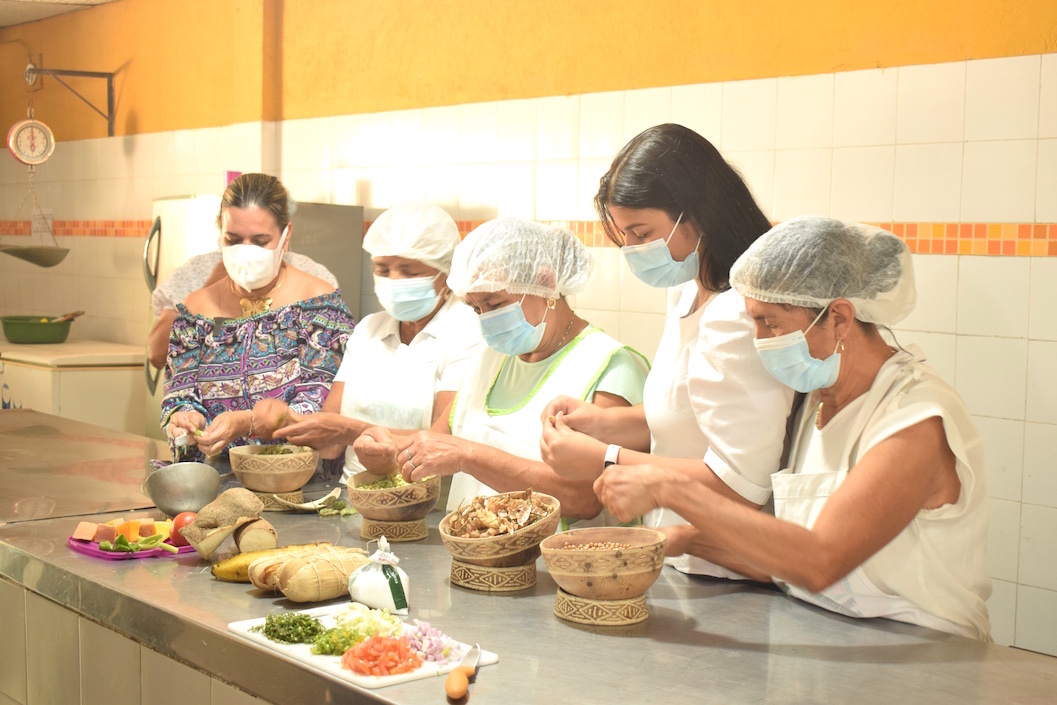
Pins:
x: 818, y: 415
x: 561, y: 341
x: 259, y: 304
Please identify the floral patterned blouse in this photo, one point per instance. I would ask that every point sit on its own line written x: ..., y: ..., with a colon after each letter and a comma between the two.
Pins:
x: 229, y: 364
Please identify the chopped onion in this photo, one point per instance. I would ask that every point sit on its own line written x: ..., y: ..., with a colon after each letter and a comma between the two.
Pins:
x: 431, y: 644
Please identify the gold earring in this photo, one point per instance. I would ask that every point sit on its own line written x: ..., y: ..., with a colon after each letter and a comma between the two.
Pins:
x: 551, y: 303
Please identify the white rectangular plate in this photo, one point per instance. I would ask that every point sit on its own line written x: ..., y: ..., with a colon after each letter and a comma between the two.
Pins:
x: 331, y: 665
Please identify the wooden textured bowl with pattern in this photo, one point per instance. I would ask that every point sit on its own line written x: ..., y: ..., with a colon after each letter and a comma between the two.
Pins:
x: 606, y: 574
x: 279, y: 472
x: 404, y: 503
x: 504, y: 550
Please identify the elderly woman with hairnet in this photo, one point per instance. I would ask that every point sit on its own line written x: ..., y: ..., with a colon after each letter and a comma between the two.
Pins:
x: 402, y: 365
x: 882, y: 510
x: 516, y: 275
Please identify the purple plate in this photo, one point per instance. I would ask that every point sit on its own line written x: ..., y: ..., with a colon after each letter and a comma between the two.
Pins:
x: 89, y: 548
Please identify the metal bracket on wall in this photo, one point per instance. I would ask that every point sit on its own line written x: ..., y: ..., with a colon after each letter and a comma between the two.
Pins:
x: 31, y: 77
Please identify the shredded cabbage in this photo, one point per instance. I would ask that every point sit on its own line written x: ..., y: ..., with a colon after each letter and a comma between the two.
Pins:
x: 354, y: 625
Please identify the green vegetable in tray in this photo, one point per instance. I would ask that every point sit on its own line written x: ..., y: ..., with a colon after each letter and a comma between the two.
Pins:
x: 122, y: 545
x: 290, y: 628
x: 356, y: 624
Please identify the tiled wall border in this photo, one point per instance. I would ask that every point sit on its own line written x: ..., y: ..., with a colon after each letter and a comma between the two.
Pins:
x: 1001, y: 239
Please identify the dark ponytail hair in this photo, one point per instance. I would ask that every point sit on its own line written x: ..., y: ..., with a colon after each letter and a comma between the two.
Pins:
x: 260, y: 190
x: 674, y: 169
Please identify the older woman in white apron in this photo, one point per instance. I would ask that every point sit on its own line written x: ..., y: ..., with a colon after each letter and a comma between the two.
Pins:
x: 402, y: 365
x: 516, y: 275
x: 882, y: 511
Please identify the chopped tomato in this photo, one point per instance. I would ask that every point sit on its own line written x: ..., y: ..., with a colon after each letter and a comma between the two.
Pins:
x: 381, y: 656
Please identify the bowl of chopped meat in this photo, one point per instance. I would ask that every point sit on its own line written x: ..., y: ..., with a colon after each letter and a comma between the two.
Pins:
x: 502, y: 530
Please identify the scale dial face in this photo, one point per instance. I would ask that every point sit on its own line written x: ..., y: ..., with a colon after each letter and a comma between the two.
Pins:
x: 30, y: 142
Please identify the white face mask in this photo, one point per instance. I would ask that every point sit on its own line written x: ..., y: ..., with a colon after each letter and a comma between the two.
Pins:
x: 251, y: 266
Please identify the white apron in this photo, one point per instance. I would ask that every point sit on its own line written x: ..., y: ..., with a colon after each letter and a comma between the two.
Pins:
x: 800, y: 497
x: 397, y: 391
x: 517, y: 431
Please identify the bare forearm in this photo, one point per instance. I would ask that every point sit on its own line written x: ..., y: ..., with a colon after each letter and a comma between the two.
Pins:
x: 744, y: 539
x: 625, y: 426
x: 509, y: 473
x: 693, y: 469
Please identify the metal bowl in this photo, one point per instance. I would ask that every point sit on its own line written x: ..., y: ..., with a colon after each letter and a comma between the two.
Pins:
x: 182, y: 487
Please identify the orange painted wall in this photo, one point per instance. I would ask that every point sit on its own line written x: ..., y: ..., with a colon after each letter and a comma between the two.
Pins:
x: 200, y: 63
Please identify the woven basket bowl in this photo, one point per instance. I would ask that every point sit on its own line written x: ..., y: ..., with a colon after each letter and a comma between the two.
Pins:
x: 610, y: 574
x: 504, y: 550
x: 273, y: 473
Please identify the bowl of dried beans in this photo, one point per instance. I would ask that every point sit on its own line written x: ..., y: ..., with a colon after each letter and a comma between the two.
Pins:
x: 605, y: 562
x: 502, y: 530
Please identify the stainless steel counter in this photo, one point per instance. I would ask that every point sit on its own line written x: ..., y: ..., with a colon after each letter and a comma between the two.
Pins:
x: 54, y: 467
x: 706, y: 641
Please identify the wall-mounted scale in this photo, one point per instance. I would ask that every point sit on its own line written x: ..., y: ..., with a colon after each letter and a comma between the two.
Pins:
x: 32, y: 143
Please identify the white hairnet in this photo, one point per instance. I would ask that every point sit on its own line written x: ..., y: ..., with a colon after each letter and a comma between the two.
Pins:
x: 419, y: 231
x: 810, y: 261
x: 521, y: 257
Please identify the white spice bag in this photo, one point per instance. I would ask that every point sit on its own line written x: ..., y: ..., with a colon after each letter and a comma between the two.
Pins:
x: 379, y: 583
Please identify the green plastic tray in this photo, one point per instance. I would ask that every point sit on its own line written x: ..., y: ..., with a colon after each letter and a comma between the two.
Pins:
x: 34, y: 329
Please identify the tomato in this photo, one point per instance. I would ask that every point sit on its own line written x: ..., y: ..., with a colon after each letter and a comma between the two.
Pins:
x: 180, y: 521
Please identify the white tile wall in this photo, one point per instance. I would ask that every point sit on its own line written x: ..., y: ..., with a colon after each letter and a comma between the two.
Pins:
x: 169, y: 682
x: 802, y: 182
x: 1037, y: 619
x: 863, y: 183
x: 1003, y: 541
x: 930, y: 103
x: 936, y: 280
x: 1042, y: 382
x: 1037, y: 565
x: 1046, y: 182
x: 986, y: 309
x: 928, y: 183
x: 749, y: 116
x: 998, y: 181
x: 1004, y: 454
x: 973, y: 141
x: 700, y: 107
x: 990, y: 375
x: 805, y: 112
x: 13, y: 644
x: 101, y: 682
x: 1002, y: 98
x: 1040, y: 464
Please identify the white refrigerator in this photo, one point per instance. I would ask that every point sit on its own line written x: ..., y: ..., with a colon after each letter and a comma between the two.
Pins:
x: 185, y: 226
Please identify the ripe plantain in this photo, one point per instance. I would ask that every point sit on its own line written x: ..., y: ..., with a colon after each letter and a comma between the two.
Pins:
x: 236, y: 568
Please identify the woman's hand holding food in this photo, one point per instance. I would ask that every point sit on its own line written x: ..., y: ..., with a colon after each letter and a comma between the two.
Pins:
x: 376, y: 451
x: 428, y: 453
x: 629, y: 491
x: 569, y: 453
x: 577, y: 414
x: 223, y: 430
x: 269, y: 415
x: 186, y: 423
x: 319, y: 430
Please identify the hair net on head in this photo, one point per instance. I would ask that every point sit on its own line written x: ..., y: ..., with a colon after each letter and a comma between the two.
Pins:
x: 810, y: 261
x: 419, y: 231
x: 521, y: 257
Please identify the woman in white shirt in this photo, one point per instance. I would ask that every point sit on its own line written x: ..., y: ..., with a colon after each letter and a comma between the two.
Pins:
x: 403, y: 365
x: 882, y: 511
x: 683, y: 216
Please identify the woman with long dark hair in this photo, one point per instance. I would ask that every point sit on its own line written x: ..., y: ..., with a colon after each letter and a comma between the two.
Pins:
x: 682, y: 216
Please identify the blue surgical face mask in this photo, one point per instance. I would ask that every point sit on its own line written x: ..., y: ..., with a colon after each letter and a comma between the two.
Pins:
x: 507, y: 331
x: 652, y: 262
x: 407, y: 299
x: 787, y: 358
